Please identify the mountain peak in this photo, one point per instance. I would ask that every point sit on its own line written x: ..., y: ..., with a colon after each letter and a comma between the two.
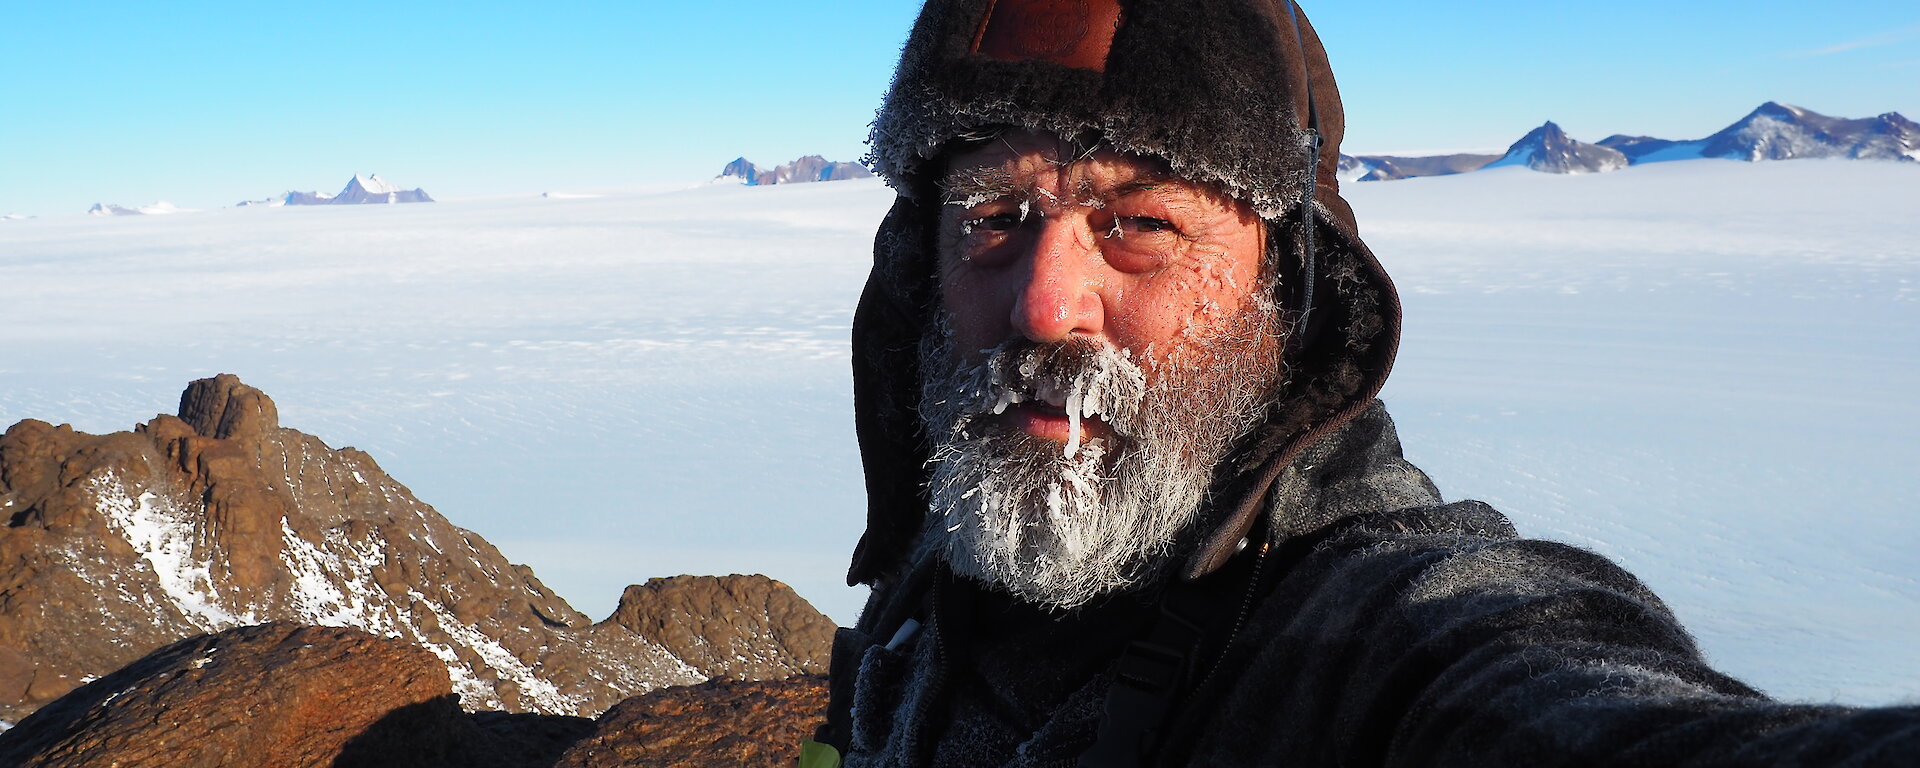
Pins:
x: 1549, y: 149
x: 805, y: 169
x: 360, y: 190
x: 1781, y: 109
x: 1777, y: 131
x: 109, y: 209
x: 370, y: 183
x: 224, y: 408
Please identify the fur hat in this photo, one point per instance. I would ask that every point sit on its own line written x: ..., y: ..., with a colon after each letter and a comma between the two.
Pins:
x: 1237, y: 93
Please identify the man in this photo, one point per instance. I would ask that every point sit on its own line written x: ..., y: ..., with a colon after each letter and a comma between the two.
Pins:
x: 1131, y: 499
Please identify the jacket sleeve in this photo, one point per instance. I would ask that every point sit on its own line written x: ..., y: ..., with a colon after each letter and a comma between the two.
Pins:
x: 1397, y: 644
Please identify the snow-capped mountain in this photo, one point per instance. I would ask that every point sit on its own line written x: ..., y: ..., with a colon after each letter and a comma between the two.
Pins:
x: 1638, y: 148
x: 305, y: 198
x: 117, y: 544
x: 14, y: 217
x: 373, y: 189
x: 1774, y: 131
x: 1392, y: 167
x: 1777, y: 131
x: 1354, y: 168
x: 1550, y: 150
x: 806, y: 169
x: 360, y: 190
x: 109, y: 209
x: 741, y: 170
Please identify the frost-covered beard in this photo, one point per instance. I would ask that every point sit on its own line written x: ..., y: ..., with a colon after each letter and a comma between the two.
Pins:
x: 1061, y: 525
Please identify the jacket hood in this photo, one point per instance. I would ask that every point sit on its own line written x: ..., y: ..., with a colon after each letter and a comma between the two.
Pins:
x: 1226, y: 91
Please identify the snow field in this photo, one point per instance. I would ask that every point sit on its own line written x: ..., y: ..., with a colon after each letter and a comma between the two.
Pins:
x: 1704, y: 370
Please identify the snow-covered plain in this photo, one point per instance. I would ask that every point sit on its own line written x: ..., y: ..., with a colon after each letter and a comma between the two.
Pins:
x: 1705, y: 370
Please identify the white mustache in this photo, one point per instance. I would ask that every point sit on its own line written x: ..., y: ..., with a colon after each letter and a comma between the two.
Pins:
x: 1084, y: 378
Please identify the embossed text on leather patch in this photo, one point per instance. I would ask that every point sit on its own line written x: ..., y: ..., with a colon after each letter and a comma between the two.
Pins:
x: 1071, y: 33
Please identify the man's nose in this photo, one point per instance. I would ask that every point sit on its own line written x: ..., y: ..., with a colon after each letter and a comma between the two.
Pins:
x: 1060, y: 296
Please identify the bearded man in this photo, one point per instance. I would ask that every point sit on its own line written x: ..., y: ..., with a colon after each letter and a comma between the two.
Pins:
x: 1131, y: 498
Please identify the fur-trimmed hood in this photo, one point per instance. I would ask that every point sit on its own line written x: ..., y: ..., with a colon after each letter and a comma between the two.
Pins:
x: 1228, y: 92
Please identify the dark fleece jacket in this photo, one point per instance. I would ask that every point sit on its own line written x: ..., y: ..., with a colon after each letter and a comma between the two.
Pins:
x: 1406, y: 633
x: 1371, y: 624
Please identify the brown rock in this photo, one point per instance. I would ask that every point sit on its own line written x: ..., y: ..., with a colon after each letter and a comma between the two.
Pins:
x: 224, y: 408
x: 117, y: 544
x: 736, y: 627
x: 273, y: 694
x: 730, y: 724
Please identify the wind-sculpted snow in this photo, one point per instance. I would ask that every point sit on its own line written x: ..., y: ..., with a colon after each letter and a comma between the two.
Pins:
x: 1699, y: 369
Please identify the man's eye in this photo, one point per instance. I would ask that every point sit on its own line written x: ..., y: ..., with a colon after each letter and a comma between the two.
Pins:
x: 1133, y: 226
x: 998, y: 222
x: 1145, y: 224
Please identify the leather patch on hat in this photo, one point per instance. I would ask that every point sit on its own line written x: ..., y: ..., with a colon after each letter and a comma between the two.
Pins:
x: 1071, y: 33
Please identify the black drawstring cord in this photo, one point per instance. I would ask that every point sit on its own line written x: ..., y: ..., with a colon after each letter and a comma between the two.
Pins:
x: 1312, y: 252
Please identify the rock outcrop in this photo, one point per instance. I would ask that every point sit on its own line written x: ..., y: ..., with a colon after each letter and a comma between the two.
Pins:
x: 320, y: 697
x: 275, y: 694
x: 735, y: 628
x: 117, y: 544
x: 721, y: 723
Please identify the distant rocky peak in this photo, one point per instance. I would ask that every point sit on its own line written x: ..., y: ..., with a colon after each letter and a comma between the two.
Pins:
x: 360, y: 190
x: 1549, y: 137
x: 369, y: 184
x: 1549, y: 149
x: 740, y: 168
x: 109, y: 209
x: 810, y: 168
x: 1895, y: 121
x: 1776, y: 131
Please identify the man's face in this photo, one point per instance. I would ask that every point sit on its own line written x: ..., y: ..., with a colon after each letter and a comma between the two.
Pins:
x: 1106, y: 335
x: 1041, y: 244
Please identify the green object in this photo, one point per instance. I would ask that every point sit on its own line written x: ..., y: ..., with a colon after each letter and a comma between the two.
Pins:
x: 814, y: 754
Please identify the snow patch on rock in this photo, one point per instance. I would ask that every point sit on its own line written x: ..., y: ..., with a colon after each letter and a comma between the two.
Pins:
x: 333, y: 590
x: 166, y: 539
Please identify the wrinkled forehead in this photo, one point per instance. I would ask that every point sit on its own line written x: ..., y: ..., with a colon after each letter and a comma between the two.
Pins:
x: 1017, y: 162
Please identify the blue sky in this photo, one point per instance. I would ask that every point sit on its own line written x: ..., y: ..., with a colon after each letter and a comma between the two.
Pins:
x: 206, y: 104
